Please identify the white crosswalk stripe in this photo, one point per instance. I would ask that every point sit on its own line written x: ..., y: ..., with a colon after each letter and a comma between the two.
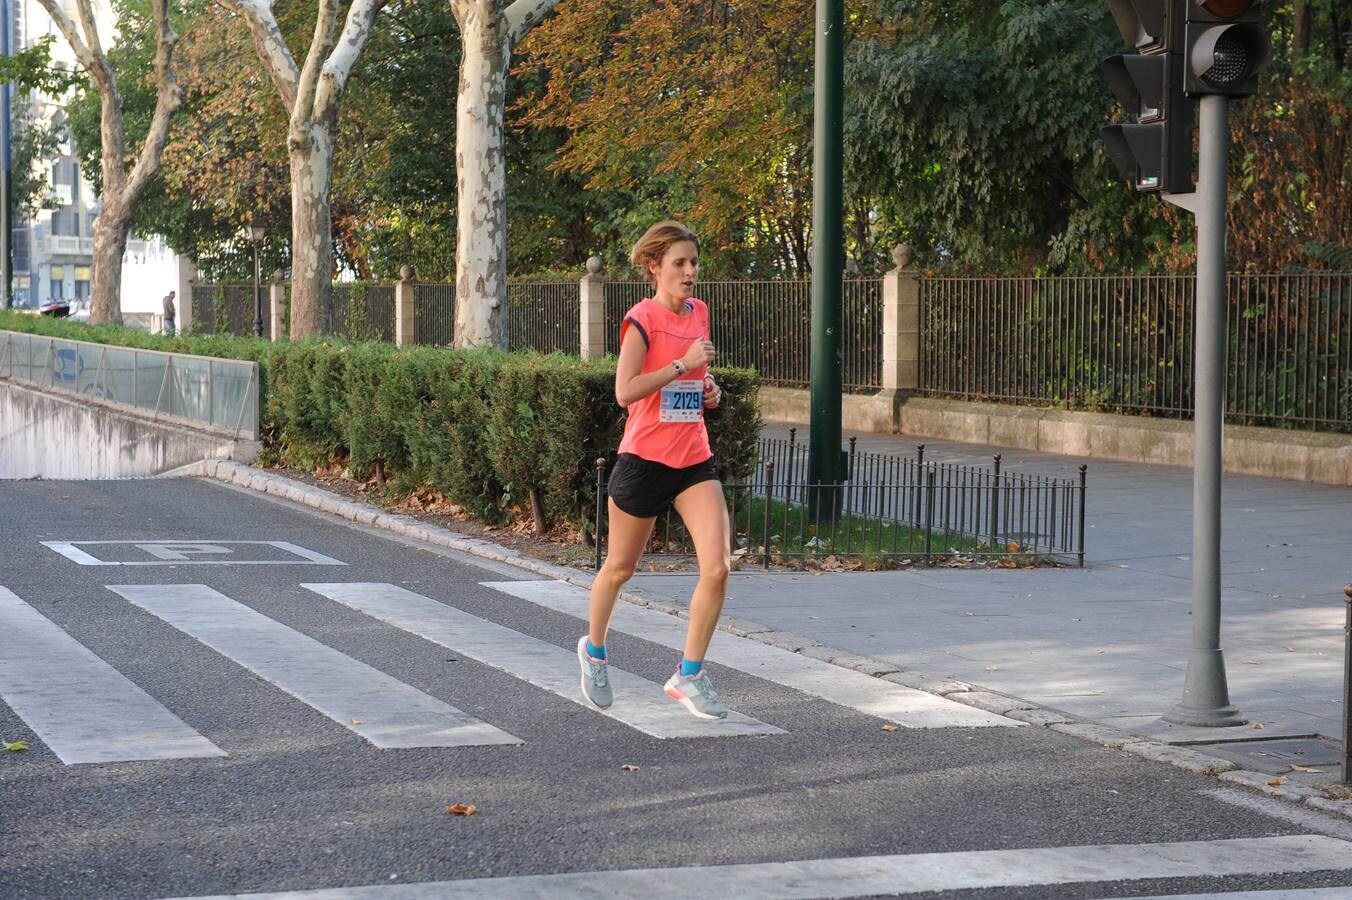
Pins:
x: 83, y: 709
x: 886, y: 875
x: 639, y: 703
x: 904, y: 706
x: 386, y: 712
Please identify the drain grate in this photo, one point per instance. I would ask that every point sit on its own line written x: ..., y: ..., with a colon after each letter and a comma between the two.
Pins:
x: 1276, y: 755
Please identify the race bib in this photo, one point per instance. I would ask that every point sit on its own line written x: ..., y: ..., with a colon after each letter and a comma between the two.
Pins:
x: 682, y: 401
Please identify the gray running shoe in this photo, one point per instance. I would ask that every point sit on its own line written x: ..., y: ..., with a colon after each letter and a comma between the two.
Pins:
x: 696, y: 693
x: 595, y: 677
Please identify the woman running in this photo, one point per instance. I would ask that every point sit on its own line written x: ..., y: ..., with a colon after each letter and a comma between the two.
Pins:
x: 662, y: 379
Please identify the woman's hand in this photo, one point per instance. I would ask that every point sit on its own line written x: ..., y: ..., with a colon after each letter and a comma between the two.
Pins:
x: 713, y: 394
x: 701, y: 353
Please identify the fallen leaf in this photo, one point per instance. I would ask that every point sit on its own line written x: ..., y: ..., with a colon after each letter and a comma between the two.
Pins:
x: 1006, y: 564
x: 1290, y: 649
x: 462, y: 809
x: 356, y: 721
x: 1015, y: 546
x: 629, y: 767
x: 1250, y: 662
x: 1296, y: 768
x: 1279, y: 780
x: 889, y: 728
x: 15, y: 746
x: 992, y: 668
x: 1256, y: 725
x: 65, y: 496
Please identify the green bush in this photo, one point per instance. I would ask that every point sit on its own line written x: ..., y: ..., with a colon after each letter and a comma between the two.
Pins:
x: 488, y: 429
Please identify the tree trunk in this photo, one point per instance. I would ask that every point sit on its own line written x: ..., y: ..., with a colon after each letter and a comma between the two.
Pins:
x: 111, y: 230
x: 311, y: 230
x: 481, y: 178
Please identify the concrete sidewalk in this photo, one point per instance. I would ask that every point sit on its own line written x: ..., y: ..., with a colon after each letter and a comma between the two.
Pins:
x: 1108, y: 642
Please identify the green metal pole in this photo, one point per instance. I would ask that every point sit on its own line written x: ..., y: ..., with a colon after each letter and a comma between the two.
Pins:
x: 6, y: 184
x: 824, y: 453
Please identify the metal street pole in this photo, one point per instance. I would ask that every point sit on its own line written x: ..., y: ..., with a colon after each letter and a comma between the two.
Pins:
x: 6, y: 184
x: 824, y: 452
x: 258, y: 293
x: 1206, y: 698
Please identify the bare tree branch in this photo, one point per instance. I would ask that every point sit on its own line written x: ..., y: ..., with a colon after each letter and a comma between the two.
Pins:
x: 71, y: 32
x: 333, y: 80
x: 168, y: 98
x: 326, y: 21
x: 272, y: 50
x: 523, y: 15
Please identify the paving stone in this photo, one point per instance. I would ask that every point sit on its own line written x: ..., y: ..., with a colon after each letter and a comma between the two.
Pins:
x: 1043, y: 717
x: 996, y: 703
x: 1112, y: 738
x: 1182, y: 757
x: 1263, y: 782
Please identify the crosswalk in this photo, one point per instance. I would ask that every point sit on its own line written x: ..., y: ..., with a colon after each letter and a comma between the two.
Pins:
x: 86, y: 711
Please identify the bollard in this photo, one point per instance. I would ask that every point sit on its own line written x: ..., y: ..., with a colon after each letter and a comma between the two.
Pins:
x: 765, y: 525
x: 1079, y: 528
x: 1347, y: 687
x: 600, y: 488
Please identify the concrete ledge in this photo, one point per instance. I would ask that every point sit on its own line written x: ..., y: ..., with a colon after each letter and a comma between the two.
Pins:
x: 48, y: 435
x: 1270, y: 452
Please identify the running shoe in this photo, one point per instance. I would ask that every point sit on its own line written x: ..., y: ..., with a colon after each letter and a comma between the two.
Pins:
x: 595, y: 677
x: 696, y: 693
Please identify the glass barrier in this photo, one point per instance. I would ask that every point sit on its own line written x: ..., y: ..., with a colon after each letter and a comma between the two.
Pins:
x: 221, y: 394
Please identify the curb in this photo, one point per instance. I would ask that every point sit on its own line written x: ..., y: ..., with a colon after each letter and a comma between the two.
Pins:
x: 1186, y: 758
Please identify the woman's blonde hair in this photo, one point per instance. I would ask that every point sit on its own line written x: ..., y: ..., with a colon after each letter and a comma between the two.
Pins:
x: 654, y: 243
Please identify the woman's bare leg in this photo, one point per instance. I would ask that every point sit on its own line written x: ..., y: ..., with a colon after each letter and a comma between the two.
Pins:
x: 628, y: 535
x: 705, y: 514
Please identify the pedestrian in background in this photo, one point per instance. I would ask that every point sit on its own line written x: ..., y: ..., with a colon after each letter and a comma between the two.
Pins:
x: 170, y: 317
x: 665, y: 460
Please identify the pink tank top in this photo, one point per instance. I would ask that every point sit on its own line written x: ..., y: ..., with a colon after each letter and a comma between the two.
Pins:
x: 667, y: 426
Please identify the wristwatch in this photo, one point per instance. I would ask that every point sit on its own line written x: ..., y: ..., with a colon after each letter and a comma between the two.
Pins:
x: 678, y: 366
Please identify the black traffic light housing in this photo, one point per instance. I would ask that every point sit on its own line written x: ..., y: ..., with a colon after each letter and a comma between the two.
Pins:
x: 1225, y: 46
x: 1154, y: 153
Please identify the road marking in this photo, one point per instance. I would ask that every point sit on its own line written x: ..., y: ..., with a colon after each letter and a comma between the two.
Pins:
x: 386, y: 712
x: 1302, y: 817
x: 181, y: 552
x: 888, y: 875
x: 873, y: 696
x: 639, y: 703
x: 82, y: 708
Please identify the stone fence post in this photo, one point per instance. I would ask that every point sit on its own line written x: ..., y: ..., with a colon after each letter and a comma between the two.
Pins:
x: 405, y: 325
x: 901, y: 324
x: 592, y: 321
x: 187, y: 279
x: 277, y: 296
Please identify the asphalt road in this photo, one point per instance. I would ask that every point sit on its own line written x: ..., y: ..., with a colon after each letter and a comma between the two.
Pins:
x: 300, y: 800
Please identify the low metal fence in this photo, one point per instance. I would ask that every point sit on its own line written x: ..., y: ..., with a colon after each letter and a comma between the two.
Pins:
x: 1125, y: 344
x: 202, y: 391
x: 890, y: 510
x: 227, y: 308
x: 361, y: 312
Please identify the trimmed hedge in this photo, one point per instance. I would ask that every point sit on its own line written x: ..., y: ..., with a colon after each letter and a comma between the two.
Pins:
x: 493, y: 431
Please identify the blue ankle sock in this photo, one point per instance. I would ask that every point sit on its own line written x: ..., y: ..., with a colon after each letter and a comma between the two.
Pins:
x: 689, y: 667
x: 594, y: 651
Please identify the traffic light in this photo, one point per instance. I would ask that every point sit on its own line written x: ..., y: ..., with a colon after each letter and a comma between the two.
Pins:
x: 1225, y: 45
x: 1155, y: 152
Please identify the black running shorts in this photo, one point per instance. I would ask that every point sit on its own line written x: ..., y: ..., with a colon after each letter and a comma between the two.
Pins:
x: 645, y: 489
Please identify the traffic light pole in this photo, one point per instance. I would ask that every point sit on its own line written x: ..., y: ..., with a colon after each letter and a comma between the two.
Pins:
x: 824, y: 467
x: 1206, y: 698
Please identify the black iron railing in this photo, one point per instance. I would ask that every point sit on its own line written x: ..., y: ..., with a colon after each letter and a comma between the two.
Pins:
x: 891, y: 510
x: 544, y: 316
x: 1126, y: 344
x: 434, y: 314
x: 766, y: 326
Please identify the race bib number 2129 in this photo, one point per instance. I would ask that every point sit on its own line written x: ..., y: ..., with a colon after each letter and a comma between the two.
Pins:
x: 682, y: 401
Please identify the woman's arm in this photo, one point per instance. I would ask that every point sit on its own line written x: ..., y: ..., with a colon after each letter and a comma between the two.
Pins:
x: 630, y: 386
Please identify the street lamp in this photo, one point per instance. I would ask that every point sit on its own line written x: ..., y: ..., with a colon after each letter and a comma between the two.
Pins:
x: 256, y: 238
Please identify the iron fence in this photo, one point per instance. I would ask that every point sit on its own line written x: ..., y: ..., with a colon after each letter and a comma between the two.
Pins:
x: 544, y: 316
x: 1125, y: 344
x: 226, y: 308
x: 361, y: 312
x: 766, y: 326
x: 890, y: 509
x: 434, y: 314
